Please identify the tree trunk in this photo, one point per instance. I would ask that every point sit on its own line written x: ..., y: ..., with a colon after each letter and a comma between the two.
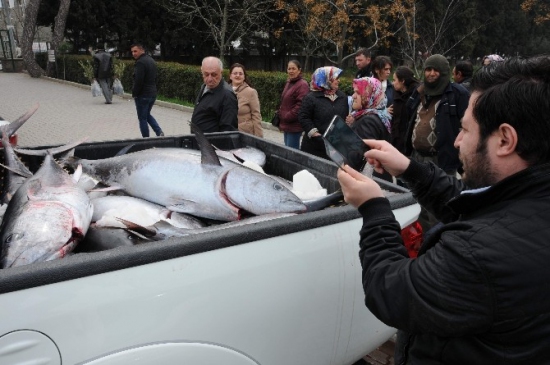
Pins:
x: 31, y: 13
x: 58, y: 31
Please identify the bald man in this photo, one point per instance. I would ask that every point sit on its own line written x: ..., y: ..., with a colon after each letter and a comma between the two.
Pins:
x: 216, y: 104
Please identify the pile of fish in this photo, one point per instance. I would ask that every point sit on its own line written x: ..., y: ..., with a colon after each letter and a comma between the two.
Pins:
x: 153, y: 194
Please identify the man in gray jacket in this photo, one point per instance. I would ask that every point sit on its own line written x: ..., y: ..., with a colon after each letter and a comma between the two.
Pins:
x: 103, y: 71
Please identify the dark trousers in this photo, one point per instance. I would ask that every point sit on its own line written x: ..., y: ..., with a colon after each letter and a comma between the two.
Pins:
x: 143, y: 108
x: 292, y: 139
x: 105, y: 87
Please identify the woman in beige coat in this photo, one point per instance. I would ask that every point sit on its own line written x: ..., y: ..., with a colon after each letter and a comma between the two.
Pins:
x: 250, y: 118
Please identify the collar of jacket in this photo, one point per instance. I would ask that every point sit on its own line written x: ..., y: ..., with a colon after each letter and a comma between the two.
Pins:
x: 531, y: 182
x: 241, y: 87
x: 220, y: 86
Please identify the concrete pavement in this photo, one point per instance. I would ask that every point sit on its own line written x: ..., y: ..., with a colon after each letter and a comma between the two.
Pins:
x: 68, y: 112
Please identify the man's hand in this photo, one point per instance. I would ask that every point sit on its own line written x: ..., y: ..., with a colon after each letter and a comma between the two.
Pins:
x: 383, y: 156
x: 356, y: 187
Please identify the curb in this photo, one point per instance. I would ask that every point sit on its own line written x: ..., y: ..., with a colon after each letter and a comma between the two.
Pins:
x: 165, y: 104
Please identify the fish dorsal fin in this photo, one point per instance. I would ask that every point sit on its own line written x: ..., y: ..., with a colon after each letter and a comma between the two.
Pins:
x: 208, y: 154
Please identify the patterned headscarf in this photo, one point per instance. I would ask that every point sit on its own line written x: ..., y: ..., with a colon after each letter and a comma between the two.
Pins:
x: 321, y: 78
x: 373, y: 99
x: 493, y: 58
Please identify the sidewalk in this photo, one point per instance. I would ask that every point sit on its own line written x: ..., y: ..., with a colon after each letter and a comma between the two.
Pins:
x: 68, y: 112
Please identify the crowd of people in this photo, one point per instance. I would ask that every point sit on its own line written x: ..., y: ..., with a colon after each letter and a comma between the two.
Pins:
x: 473, y: 150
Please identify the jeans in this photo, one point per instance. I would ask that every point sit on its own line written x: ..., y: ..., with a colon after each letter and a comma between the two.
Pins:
x: 292, y: 139
x: 143, y: 107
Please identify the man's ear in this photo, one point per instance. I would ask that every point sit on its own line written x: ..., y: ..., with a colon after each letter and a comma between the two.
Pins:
x: 508, y: 140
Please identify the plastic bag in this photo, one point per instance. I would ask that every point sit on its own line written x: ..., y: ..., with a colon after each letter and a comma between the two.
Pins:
x: 117, y: 87
x: 96, y: 89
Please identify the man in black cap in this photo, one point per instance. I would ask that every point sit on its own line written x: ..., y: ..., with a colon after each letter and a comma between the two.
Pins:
x: 103, y: 71
x: 436, y: 107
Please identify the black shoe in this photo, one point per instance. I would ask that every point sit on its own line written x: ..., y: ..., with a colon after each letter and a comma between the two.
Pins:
x: 161, y: 134
x: 108, y: 102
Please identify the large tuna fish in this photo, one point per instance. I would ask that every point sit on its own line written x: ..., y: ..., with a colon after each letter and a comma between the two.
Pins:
x: 198, y: 183
x: 45, y: 219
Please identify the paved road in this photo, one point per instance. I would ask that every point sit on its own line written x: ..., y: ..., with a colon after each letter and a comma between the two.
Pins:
x: 68, y: 112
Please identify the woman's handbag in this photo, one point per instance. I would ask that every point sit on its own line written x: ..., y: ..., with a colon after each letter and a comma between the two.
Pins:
x: 275, y: 120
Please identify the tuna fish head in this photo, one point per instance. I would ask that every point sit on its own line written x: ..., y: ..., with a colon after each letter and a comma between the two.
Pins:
x: 33, y: 236
x: 259, y: 194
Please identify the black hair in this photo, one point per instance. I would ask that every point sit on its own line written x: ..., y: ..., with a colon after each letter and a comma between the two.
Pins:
x: 465, y: 68
x: 363, y: 51
x: 517, y: 92
x: 406, y: 75
x: 379, y: 63
x: 297, y: 63
x: 138, y: 45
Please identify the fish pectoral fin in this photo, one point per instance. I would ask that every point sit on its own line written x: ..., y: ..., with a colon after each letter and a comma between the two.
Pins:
x: 26, y: 174
x: 106, y: 188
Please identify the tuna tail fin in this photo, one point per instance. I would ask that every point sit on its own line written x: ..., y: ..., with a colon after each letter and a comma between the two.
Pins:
x: 16, y: 124
x: 208, y: 154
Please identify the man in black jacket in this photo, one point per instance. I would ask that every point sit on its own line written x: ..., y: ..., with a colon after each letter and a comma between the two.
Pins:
x: 216, y: 106
x: 478, y: 291
x: 144, y: 91
x: 362, y: 61
x: 103, y: 71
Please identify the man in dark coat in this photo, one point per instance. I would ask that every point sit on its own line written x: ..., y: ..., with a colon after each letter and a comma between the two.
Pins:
x: 362, y: 61
x: 478, y: 291
x: 103, y: 72
x: 216, y: 107
x: 144, y: 91
x: 462, y: 74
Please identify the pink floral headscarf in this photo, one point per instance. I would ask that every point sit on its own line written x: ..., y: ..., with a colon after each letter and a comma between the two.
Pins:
x: 373, y: 99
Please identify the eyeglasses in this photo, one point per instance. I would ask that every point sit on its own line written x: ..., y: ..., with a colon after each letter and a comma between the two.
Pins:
x: 237, y: 73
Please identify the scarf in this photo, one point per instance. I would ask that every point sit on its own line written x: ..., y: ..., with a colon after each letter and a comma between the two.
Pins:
x: 373, y: 100
x: 439, y: 63
x: 321, y: 78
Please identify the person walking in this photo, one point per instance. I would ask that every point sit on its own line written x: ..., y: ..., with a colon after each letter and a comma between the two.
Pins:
x: 103, y: 72
x: 216, y: 106
x: 478, y: 291
x: 296, y: 88
x: 144, y: 90
x: 404, y: 83
x: 249, y: 116
x: 319, y: 106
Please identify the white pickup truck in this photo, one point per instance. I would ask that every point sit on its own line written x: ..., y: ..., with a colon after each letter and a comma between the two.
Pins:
x: 285, y: 291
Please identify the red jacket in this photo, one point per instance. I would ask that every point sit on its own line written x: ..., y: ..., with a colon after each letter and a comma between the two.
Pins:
x: 291, y: 100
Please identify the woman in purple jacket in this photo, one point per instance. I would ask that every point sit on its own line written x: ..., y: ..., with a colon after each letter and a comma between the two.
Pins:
x: 291, y: 100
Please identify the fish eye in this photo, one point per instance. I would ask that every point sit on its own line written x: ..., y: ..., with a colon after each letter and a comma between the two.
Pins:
x: 278, y: 187
x: 13, y: 236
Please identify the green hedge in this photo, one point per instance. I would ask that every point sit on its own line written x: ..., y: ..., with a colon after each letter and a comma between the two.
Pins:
x: 182, y: 82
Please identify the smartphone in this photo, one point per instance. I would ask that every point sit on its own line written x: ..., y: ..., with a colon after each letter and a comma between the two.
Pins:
x: 347, y: 142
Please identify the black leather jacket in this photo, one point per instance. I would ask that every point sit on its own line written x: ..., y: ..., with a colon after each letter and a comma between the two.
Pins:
x: 478, y: 291
x: 217, y: 109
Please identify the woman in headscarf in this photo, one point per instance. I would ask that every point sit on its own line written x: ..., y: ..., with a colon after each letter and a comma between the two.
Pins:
x: 370, y: 117
x: 491, y: 58
x: 319, y: 106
